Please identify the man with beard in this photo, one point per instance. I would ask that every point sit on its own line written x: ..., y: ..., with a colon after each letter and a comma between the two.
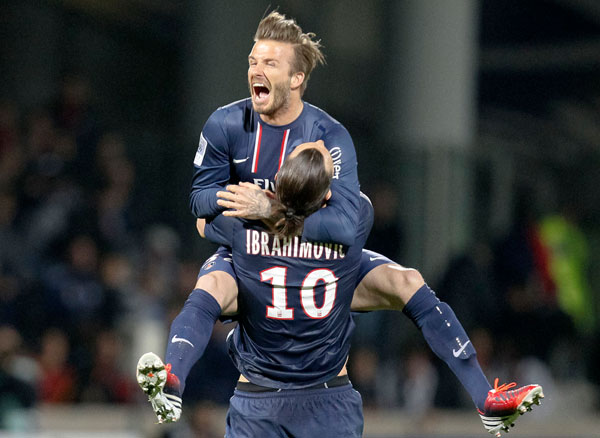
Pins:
x: 247, y: 142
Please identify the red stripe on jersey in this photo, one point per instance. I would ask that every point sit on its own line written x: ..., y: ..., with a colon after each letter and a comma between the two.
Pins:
x: 286, y: 135
x: 256, y: 148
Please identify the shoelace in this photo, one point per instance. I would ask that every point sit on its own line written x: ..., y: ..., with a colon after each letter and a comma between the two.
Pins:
x: 504, y: 387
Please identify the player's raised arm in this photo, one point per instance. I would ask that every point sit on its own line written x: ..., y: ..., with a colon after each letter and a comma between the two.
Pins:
x: 338, y: 222
x: 211, y: 167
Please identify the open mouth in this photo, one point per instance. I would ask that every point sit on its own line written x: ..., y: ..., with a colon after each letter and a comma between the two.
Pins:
x: 261, y: 92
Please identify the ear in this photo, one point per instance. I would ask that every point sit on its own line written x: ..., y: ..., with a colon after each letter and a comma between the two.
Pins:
x: 297, y: 80
x: 328, y: 195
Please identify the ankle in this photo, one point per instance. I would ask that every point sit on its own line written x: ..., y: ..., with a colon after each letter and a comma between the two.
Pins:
x: 172, y: 385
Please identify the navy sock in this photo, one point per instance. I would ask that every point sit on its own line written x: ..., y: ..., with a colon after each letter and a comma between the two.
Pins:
x: 449, y: 341
x: 189, y: 335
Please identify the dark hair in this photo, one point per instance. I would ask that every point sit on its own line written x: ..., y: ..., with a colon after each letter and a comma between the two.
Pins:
x: 307, y: 51
x: 302, y: 185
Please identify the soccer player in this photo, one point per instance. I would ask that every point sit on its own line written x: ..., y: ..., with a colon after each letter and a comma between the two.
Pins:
x: 293, y: 336
x: 248, y: 140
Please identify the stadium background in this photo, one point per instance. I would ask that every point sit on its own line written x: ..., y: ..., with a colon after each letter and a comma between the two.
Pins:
x: 477, y: 130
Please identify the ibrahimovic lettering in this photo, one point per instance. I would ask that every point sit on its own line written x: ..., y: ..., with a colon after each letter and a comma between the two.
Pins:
x: 265, y: 244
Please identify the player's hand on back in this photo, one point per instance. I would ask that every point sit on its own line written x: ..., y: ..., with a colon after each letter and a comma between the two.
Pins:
x: 245, y: 200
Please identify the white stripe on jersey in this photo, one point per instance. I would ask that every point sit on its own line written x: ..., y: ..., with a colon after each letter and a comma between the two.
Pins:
x: 286, y: 136
x: 256, y: 147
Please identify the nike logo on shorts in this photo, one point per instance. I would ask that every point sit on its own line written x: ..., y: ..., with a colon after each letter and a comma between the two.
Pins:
x: 239, y: 160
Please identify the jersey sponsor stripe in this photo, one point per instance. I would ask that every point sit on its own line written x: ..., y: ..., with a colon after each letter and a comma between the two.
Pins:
x: 256, y: 148
x: 286, y: 136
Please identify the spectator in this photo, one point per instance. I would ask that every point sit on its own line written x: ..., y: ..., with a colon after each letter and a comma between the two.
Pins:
x: 58, y: 378
x: 116, y: 178
x: 107, y: 381
x: 15, y: 391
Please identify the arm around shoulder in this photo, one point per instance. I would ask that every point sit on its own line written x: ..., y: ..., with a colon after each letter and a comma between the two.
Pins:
x: 338, y: 222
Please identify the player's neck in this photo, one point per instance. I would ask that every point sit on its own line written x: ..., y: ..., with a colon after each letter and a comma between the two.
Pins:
x: 285, y: 115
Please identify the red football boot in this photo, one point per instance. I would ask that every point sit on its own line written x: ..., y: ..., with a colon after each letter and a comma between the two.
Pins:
x: 502, y: 407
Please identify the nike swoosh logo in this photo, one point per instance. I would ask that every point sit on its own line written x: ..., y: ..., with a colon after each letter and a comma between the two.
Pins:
x: 240, y: 160
x: 377, y: 258
x: 176, y: 339
x: 457, y: 353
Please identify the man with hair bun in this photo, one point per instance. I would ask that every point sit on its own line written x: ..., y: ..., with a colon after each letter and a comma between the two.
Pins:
x: 242, y: 147
x: 292, y: 360
x: 296, y: 199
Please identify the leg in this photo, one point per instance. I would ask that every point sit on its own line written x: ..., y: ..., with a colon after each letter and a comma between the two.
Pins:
x: 217, y: 278
x: 215, y: 293
x: 386, y: 285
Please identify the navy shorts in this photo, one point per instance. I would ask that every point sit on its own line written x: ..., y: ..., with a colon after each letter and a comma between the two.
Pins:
x: 221, y: 261
x: 370, y: 260
x: 299, y: 413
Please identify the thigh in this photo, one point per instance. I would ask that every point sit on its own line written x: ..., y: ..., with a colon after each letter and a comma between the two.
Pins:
x: 332, y: 413
x: 217, y: 277
x: 220, y: 261
x: 369, y: 260
x: 384, y: 284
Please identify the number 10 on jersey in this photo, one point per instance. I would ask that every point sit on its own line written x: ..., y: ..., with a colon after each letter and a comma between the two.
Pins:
x: 279, y: 310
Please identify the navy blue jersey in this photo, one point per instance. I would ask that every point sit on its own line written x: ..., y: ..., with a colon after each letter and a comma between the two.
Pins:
x: 237, y: 146
x: 294, y: 298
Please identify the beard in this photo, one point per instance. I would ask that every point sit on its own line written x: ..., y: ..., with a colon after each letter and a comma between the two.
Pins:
x: 280, y: 99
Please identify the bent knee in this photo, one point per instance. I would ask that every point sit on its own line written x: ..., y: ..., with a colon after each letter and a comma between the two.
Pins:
x: 411, y: 280
x: 403, y: 283
x: 223, y: 288
x: 388, y: 286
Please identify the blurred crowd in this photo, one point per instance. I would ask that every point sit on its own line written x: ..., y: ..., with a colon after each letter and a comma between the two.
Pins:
x: 87, y: 285
x: 525, y: 299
